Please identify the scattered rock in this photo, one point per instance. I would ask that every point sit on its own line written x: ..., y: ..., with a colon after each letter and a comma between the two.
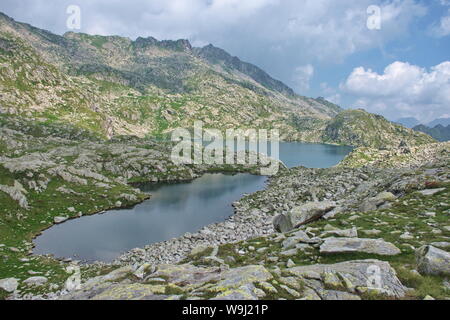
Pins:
x: 36, y: 281
x: 349, y: 233
x: 356, y: 275
x: 58, y: 220
x: 345, y: 245
x: 9, y: 284
x: 430, y: 192
x: 375, y: 202
x: 433, y: 261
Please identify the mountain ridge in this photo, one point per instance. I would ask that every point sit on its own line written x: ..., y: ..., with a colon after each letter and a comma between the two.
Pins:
x: 113, y: 85
x: 439, y: 132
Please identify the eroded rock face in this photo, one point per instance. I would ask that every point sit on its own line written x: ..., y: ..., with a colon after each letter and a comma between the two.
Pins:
x: 356, y: 276
x: 433, y: 261
x: 346, y: 245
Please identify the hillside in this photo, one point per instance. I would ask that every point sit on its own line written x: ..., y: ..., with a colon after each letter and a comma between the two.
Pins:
x: 360, y: 128
x: 112, y: 85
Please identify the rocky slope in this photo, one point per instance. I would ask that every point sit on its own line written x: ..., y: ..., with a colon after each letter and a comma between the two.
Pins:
x: 116, y: 86
x: 50, y: 173
x: 367, y: 232
x: 376, y: 226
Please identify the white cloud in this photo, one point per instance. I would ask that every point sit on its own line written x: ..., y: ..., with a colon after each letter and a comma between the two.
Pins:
x: 330, y: 93
x: 402, y: 90
x: 302, y: 77
x: 442, y: 29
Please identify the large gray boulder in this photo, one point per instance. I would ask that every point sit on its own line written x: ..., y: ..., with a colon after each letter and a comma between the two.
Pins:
x: 9, y: 284
x: 348, y: 245
x: 282, y: 223
x: 372, y: 204
x: 348, y: 233
x: 357, y: 276
x: 36, y: 281
x: 433, y: 261
x: 303, y: 214
x: 430, y: 192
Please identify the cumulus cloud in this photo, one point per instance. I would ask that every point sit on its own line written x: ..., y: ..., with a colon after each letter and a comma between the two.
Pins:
x: 287, y: 32
x: 330, y: 93
x: 442, y: 29
x: 402, y: 90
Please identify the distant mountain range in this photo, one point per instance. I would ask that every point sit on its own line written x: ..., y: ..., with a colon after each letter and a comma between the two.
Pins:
x: 439, y: 129
x: 410, y: 122
x: 441, y: 121
x: 111, y: 85
x: 438, y: 132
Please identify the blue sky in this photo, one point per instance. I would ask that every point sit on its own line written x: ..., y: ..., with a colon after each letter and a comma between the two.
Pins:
x: 318, y: 47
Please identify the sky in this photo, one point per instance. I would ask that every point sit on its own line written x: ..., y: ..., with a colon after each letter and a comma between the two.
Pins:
x: 390, y: 57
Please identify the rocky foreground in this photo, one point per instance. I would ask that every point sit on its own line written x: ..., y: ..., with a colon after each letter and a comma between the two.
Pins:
x: 366, y: 229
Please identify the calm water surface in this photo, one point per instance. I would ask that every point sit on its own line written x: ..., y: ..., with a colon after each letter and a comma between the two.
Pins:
x: 173, y: 210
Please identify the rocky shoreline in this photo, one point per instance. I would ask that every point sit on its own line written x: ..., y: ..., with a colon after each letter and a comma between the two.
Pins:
x: 251, y: 221
x: 344, y: 212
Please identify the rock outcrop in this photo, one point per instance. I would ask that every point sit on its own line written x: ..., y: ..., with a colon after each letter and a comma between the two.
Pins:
x: 433, y: 261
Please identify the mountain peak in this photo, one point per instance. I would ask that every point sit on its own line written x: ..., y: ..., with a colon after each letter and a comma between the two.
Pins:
x: 219, y: 56
x: 177, y: 45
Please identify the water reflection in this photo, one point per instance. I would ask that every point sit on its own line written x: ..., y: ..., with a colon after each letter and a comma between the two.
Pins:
x: 173, y: 210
